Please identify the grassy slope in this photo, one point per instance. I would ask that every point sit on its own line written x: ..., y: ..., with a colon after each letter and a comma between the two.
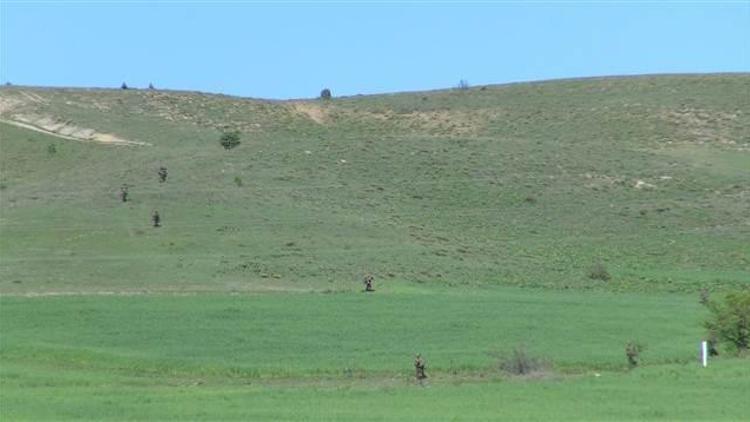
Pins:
x: 433, y: 189
x: 448, y: 197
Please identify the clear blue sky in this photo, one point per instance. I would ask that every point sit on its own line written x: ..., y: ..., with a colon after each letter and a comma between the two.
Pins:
x: 295, y: 49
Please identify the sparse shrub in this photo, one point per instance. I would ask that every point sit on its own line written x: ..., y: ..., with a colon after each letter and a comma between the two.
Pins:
x: 521, y: 363
x: 463, y: 84
x: 530, y: 199
x: 325, y: 94
x: 730, y: 321
x: 151, y: 86
x: 599, y: 272
x: 633, y: 353
x: 51, y: 149
x: 124, y: 86
x: 230, y: 140
x: 238, y: 181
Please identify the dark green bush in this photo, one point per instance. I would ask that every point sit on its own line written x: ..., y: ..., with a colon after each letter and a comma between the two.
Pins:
x: 230, y: 140
x: 729, y: 321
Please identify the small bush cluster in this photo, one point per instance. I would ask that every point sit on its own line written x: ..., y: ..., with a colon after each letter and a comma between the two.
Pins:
x: 230, y: 140
x: 521, y: 363
x: 729, y: 321
x: 325, y: 94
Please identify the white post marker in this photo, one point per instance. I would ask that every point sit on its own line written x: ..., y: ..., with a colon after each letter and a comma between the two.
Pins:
x: 704, y: 353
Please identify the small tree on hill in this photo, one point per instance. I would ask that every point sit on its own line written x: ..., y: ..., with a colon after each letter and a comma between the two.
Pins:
x: 230, y: 140
x: 124, y: 86
x: 730, y: 321
x: 325, y: 94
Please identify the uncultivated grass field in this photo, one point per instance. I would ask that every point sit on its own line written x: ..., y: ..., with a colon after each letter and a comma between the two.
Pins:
x: 480, y: 212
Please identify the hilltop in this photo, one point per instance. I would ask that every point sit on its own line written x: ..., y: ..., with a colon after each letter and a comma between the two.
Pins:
x: 526, y: 184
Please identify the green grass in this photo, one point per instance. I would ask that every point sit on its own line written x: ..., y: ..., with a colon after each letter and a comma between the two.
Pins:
x: 309, y: 334
x: 348, y: 356
x: 480, y: 213
x: 672, y: 392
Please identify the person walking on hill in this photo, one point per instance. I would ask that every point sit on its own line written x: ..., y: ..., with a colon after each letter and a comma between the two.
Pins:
x: 124, y: 193
x: 419, y: 366
x: 162, y: 174
x: 369, y: 279
x: 156, y: 219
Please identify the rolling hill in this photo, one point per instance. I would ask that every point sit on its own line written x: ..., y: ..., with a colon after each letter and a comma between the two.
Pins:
x: 556, y: 221
x: 528, y: 184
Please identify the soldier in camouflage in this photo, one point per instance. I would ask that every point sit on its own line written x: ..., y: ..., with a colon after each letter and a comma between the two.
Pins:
x: 369, y: 279
x: 124, y: 193
x: 419, y: 366
x: 162, y: 174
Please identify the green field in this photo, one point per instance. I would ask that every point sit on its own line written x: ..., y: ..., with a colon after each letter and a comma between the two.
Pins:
x: 480, y: 212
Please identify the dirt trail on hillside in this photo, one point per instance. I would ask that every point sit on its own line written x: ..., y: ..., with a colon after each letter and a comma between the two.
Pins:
x: 73, y: 133
x: 15, y: 111
x: 70, y: 132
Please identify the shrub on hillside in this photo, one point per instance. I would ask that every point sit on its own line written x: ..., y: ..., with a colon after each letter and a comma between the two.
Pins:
x: 124, y: 86
x: 325, y: 94
x: 729, y: 321
x: 599, y: 272
x: 230, y: 140
x: 521, y: 363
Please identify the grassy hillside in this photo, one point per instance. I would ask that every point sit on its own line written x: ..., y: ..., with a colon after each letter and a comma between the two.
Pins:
x: 527, y: 184
x: 480, y: 212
